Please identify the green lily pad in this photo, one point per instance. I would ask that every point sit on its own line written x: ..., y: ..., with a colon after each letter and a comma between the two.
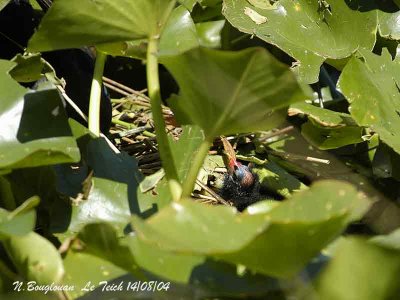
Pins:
x: 20, y: 221
x: 200, y: 273
x: 278, y: 242
x: 300, y: 227
x: 371, y: 87
x: 75, y: 23
x: 305, y: 29
x: 209, y: 229
x: 231, y: 92
x: 185, y: 275
x: 209, y: 33
x: 107, y: 201
x: 33, y: 126
x: 102, y: 241
x: 325, y: 138
x: 162, y: 263
x: 109, y: 194
x: 179, y: 34
x: 95, y: 270
x: 356, y: 262
x: 277, y: 179
x: 388, y: 25
x: 322, y: 116
x: 35, y: 258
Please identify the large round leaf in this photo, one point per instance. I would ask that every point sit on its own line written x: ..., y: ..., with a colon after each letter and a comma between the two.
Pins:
x: 196, y: 228
x: 76, y: 23
x: 85, y: 271
x: 300, y: 227
x: 327, y: 129
x: 35, y: 258
x: 179, y: 34
x: 372, y: 88
x: 33, y: 126
x: 388, y: 25
x: 102, y: 241
x: 306, y: 30
x: 278, y: 242
x: 355, y: 263
x: 203, y: 275
x: 231, y: 92
x: 108, y: 193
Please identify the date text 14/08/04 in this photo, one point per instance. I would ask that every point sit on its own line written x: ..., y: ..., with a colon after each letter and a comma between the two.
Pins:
x: 135, y: 286
x: 104, y: 286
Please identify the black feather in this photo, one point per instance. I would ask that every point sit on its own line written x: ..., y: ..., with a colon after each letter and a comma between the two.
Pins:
x: 240, y: 196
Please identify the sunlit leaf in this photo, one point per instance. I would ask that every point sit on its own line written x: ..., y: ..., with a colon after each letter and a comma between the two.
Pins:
x: 277, y: 179
x: 179, y: 34
x: 35, y: 258
x: 322, y: 116
x: 300, y: 227
x: 76, y: 23
x: 209, y: 33
x: 356, y: 262
x: 33, y: 127
x: 331, y: 138
x: 231, y: 92
x: 96, y: 270
x: 278, y: 242
x: 388, y: 25
x: 371, y: 87
x: 207, y: 229
x: 306, y: 30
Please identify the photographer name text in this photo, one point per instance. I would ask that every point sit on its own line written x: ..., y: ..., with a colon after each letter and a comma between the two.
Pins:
x: 104, y: 286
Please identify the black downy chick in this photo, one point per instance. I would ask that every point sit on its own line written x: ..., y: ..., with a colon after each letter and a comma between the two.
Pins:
x: 241, y: 185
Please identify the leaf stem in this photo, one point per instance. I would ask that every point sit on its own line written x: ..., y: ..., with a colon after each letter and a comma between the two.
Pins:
x: 153, y: 86
x: 95, y: 94
x: 195, y: 167
x: 8, y: 200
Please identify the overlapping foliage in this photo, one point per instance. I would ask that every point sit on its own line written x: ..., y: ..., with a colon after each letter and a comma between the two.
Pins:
x: 103, y: 216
